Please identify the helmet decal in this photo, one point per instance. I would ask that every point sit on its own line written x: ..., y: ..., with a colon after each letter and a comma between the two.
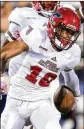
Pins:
x: 57, y: 14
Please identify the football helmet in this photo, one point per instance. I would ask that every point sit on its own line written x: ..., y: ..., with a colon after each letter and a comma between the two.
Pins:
x: 46, y: 7
x: 63, y: 28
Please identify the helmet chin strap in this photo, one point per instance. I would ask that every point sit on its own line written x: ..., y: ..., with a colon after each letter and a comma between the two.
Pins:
x: 58, y: 43
x: 57, y: 48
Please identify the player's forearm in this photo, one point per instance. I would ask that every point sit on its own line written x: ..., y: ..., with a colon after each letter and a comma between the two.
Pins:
x: 72, y: 81
x: 13, y: 49
x: 5, y: 55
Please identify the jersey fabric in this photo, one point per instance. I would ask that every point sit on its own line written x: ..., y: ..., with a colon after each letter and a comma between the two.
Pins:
x: 41, y: 65
x: 20, y: 18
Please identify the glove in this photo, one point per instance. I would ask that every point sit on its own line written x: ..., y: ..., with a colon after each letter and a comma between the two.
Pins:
x: 75, y: 104
x: 3, y: 86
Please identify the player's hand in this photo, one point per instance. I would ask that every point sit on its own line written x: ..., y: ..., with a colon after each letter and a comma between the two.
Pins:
x: 3, y: 86
x: 75, y: 104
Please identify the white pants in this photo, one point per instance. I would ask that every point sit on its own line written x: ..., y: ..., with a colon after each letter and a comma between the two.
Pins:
x: 42, y: 114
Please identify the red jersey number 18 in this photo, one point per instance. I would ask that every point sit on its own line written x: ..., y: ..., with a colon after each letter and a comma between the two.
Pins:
x: 45, y: 81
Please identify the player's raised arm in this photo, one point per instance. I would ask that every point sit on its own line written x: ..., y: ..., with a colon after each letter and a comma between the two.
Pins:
x: 13, y: 49
x: 80, y: 11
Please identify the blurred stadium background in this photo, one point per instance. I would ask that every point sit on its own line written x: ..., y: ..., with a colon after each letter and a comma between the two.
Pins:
x: 74, y: 119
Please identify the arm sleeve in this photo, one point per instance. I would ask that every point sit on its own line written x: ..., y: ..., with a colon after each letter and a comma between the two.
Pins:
x: 72, y: 60
x: 13, y: 33
x: 71, y: 80
x: 27, y: 35
x: 16, y: 17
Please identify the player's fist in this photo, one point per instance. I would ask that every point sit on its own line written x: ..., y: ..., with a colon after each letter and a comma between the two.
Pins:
x: 3, y: 86
x: 64, y: 99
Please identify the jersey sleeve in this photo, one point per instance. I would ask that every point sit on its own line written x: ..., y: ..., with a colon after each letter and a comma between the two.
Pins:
x: 13, y: 32
x: 31, y: 36
x: 16, y: 17
x: 23, y: 16
x: 70, y: 60
x: 72, y: 63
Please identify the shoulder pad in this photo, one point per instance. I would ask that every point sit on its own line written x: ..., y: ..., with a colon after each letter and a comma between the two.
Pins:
x: 18, y: 15
x: 15, y: 16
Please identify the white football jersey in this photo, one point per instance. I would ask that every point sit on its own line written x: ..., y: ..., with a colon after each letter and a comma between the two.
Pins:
x: 20, y: 18
x: 41, y: 65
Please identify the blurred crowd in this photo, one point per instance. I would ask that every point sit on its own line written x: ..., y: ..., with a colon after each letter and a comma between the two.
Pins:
x: 73, y: 120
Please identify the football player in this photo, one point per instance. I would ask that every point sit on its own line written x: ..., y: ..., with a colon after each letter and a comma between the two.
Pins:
x: 50, y: 51
x: 44, y: 9
x: 20, y: 18
x: 16, y: 18
x: 28, y: 15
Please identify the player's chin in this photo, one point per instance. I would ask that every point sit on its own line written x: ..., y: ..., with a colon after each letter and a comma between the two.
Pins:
x: 64, y: 99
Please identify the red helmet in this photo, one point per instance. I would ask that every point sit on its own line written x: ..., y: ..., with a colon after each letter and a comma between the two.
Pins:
x: 46, y: 6
x: 63, y: 28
